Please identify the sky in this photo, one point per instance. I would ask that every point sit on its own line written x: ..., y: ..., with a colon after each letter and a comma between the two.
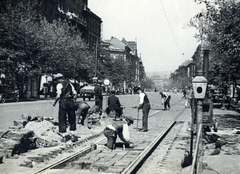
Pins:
x: 158, y: 26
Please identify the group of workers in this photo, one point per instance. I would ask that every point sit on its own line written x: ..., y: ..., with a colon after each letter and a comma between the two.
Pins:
x: 70, y: 110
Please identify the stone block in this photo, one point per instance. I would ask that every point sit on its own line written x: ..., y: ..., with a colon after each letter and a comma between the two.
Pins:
x: 99, y: 166
x: 77, y: 165
x: 109, y: 163
x: 36, y: 159
x: 21, y: 123
x: 114, y: 170
x: 27, y: 163
x: 87, y: 164
x: 26, y: 117
x: 6, y: 152
x: 19, y: 134
x: 122, y: 162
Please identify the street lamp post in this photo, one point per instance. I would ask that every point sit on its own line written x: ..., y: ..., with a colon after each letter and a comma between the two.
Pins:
x: 199, y: 88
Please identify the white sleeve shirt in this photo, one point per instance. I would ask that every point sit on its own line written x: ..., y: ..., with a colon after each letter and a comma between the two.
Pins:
x: 141, y: 96
x: 59, y: 89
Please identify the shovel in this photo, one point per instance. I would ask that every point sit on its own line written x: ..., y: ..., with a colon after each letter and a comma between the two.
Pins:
x: 137, y: 119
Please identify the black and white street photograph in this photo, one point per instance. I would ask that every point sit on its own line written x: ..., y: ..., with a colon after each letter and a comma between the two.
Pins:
x: 119, y: 86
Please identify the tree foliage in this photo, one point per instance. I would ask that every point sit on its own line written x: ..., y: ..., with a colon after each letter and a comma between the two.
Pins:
x: 19, y: 44
x: 30, y: 43
x: 219, y: 27
x: 64, y: 50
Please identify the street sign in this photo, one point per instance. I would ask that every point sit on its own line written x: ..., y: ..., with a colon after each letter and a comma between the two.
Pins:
x: 106, y: 82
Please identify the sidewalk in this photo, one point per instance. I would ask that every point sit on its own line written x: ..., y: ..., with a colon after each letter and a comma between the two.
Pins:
x: 223, y: 160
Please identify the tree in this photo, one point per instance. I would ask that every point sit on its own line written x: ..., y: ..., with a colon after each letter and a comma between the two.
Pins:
x: 64, y: 50
x: 219, y: 28
x: 147, y: 83
x: 19, y: 48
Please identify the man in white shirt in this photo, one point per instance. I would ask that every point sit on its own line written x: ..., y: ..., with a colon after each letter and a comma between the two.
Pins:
x: 144, y: 104
x: 66, y: 95
x: 120, y: 128
x: 166, y: 99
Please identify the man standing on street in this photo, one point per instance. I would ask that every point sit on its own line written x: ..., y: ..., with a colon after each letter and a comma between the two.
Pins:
x: 166, y: 99
x: 98, y: 95
x: 144, y: 104
x: 66, y: 95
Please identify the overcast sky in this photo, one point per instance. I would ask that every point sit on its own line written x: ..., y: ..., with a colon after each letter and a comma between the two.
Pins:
x: 156, y: 25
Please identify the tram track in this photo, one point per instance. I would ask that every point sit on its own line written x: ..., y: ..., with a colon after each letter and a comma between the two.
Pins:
x: 97, y: 160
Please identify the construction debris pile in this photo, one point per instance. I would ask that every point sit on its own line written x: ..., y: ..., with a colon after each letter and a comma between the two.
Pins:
x: 30, y: 133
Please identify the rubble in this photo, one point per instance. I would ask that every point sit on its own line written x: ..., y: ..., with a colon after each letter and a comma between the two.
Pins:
x: 30, y: 133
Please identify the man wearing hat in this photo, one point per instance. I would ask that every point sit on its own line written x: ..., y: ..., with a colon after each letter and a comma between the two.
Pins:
x: 98, y: 95
x: 66, y: 96
x: 166, y: 97
x: 120, y: 128
x: 144, y: 104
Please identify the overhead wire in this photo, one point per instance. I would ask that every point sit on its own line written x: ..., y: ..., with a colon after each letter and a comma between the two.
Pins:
x: 171, y: 28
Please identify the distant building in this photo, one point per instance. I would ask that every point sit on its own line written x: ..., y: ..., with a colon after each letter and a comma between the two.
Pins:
x: 126, y: 50
x: 157, y: 80
x: 160, y: 82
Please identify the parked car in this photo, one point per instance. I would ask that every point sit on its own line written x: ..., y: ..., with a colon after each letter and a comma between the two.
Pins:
x: 87, y: 92
x: 7, y: 94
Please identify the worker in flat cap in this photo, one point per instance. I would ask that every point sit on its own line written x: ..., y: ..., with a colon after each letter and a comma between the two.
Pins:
x: 119, y: 128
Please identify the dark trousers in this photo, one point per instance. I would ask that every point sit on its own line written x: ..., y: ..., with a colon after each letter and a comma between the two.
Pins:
x: 111, y: 137
x: 98, y: 101
x: 167, y: 103
x: 145, y: 111
x: 64, y: 116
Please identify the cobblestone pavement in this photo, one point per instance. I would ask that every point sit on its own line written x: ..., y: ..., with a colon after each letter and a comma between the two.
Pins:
x: 166, y: 159
x: 156, y: 123
x: 115, y: 161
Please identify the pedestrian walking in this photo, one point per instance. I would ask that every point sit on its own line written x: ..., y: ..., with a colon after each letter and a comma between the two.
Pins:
x: 66, y: 96
x: 113, y: 104
x: 119, y: 128
x: 166, y: 97
x: 184, y: 93
x: 82, y: 111
x: 144, y: 104
x: 98, y: 95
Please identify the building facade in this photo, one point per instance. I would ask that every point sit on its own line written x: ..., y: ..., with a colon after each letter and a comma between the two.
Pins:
x: 78, y: 12
x: 126, y: 50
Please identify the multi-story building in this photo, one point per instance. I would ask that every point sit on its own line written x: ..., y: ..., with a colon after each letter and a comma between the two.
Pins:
x: 126, y: 50
x: 78, y: 13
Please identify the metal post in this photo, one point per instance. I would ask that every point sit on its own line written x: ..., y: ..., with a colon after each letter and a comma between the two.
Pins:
x: 199, y: 122
x: 192, y: 124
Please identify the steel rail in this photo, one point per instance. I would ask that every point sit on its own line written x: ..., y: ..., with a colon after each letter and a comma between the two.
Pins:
x: 195, y: 163
x: 70, y: 157
x: 135, y: 165
x: 129, y: 169
x: 147, y: 151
